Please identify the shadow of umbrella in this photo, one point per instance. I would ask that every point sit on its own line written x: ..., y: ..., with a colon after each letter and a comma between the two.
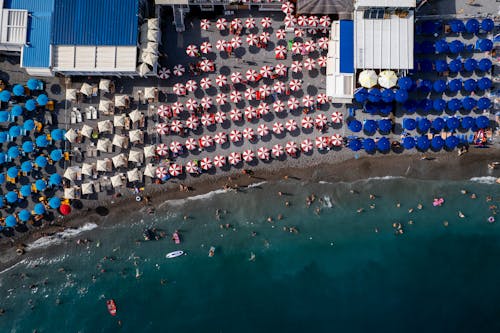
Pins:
x: 102, y: 211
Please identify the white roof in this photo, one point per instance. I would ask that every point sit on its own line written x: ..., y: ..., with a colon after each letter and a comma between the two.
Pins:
x: 385, y: 43
x: 13, y: 27
x: 339, y: 86
x: 385, y: 3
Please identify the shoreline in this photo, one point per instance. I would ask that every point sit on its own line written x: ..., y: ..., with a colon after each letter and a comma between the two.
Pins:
x: 439, y: 166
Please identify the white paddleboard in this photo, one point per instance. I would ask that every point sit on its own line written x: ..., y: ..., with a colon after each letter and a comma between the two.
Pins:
x: 174, y: 254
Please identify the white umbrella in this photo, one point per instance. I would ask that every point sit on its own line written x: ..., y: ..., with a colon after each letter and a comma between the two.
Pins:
x: 71, y: 94
x: 133, y: 175
x: 71, y: 135
x: 135, y: 135
x: 387, y: 79
x: 149, y: 58
x: 105, y: 105
x: 69, y: 193
x: 368, y: 78
x: 87, y: 188
x: 119, y: 160
x: 135, y: 156
x: 86, y: 89
x: 118, y: 120
x: 71, y: 173
x: 135, y: 116
x: 149, y: 151
x: 150, y: 170
x: 117, y: 180
x: 121, y: 101
x: 103, y: 165
x: 143, y: 69
x: 119, y: 141
x: 150, y: 92
x: 105, y: 126
x: 104, y: 145
x: 88, y: 169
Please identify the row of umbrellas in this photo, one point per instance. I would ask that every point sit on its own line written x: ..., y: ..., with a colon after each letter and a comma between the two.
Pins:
x: 442, y: 46
x: 454, y: 66
x: 472, y: 26
x: 422, y: 143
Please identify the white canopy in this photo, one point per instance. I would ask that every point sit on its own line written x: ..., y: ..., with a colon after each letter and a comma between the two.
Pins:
x: 135, y: 135
x: 86, y: 89
x: 149, y: 58
x: 105, y: 126
x: 88, y: 169
x: 71, y: 173
x: 119, y: 121
x: 104, y: 85
x: 133, y: 175
x: 104, y: 145
x: 150, y: 36
x: 116, y: 180
x: 119, y: 160
x: 150, y: 171
x: 69, y: 193
x: 71, y: 135
x: 103, y: 165
x: 71, y: 94
x: 135, y: 156
x: 120, y: 141
x: 105, y: 105
x: 149, y: 92
x: 135, y: 116
x: 87, y: 131
x: 149, y: 151
x: 143, y: 69
x: 87, y: 188
x: 121, y: 101
x: 150, y: 47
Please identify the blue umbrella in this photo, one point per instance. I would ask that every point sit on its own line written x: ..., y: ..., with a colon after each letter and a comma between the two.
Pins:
x: 370, y: 126
x: 425, y: 65
x: 354, y: 144
x: 423, y: 143
x: 11, y: 197
x: 452, y: 123
x: 439, y: 86
x: 455, y: 66
x: 361, y: 95
x: 15, y: 131
x: 454, y: 104
x: 385, y: 109
x: 2, y: 178
x: 57, y: 134
x: 423, y: 125
x: 427, y: 47
x: 26, y: 166
x: 28, y: 146
x: 425, y: 104
x: 456, y: 46
x: 470, y: 85
x: 371, y: 108
x: 409, y: 124
x: 439, y: 104
x: 30, y: 105
x: 482, y: 122
x: 369, y: 144
x: 387, y: 95
x: 472, y: 26
x: 3, y: 137
x: 425, y: 86
x: 487, y: 25
x: 41, y: 141
x: 410, y: 106
x: 32, y: 84
x: 56, y: 154
x: 40, y: 185
x: 41, y: 161
x: 457, y: 26
x: 470, y: 64
x: 355, y: 125
x: 4, y: 116
x: 440, y: 66
x: 483, y: 103
x: 455, y: 85
x: 484, y: 83
x: 441, y: 46
x: 54, y: 202
x: 13, y: 152
x: 374, y: 95
x: 451, y: 142
x: 484, y: 45
x: 401, y: 95
x: 29, y: 125
x: 467, y: 122
x: 405, y: 83
x: 18, y: 90
x: 17, y: 110
x: 437, y: 143
x: 383, y: 144
x: 25, y: 190
x: 10, y: 221
x: 4, y: 96
x: 385, y: 125
x: 55, y: 179
x: 408, y: 142
x: 484, y: 64
x: 12, y: 172
x: 39, y: 208
x: 24, y: 215
x: 438, y: 124
x: 468, y: 103
x: 42, y: 99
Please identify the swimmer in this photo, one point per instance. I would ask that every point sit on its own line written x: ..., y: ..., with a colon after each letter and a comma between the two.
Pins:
x: 269, y: 219
x: 410, y: 210
x: 372, y: 206
x: 254, y: 234
x: 252, y: 257
x: 463, y: 191
x: 420, y: 206
x: 372, y: 197
x: 287, y: 203
x: 280, y: 193
x: 360, y: 210
x: 163, y: 281
x: 398, y: 204
x: 489, y: 198
x: 317, y: 211
x: 460, y: 214
x: 445, y: 223
x: 280, y: 216
x: 473, y: 196
x: 410, y: 222
x: 376, y: 230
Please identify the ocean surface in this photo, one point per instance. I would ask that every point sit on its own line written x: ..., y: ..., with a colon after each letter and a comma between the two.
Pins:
x: 343, y: 271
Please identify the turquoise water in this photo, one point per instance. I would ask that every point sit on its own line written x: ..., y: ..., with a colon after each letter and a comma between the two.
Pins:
x: 336, y: 275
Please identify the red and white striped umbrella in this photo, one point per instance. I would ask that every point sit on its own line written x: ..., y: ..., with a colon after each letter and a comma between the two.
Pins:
x: 221, y: 23
x: 279, y: 106
x: 290, y: 21
x: 221, y: 80
x: 207, y: 119
x: 236, y: 77
x: 313, y: 21
x: 235, y: 115
x: 191, y: 167
x: 263, y: 130
x: 206, y: 163
x: 221, y: 45
x: 204, y: 24
x: 323, y: 43
x: 206, y: 141
x: 192, y: 122
x: 266, y: 22
x: 175, y: 147
x: 220, y: 138
x: 264, y: 90
x: 164, y: 73
x: 265, y: 37
x: 280, y: 51
x: 306, y: 145
x: 278, y: 128
x: 179, y: 70
x: 320, y: 120
x: 179, y: 89
x: 192, y: 50
x: 307, y: 122
x: 263, y: 109
x: 252, y: 39
x: 280, y: 69
x: 295, y: 84
x: 191, y: 85
x: 250, y: 94
x: 302, y: 20
x: 299, y: 32
x: 308, y: 100
x: 287, y: 7
x: 291, y: 125
x: 309, y: 64
x: 251, y: 75
x: 266, y: 71
x: 162, y: 128
x: 322, y: 98
x: 236, y: 41
x: 176, y: 126
x: 164, y: 111
x: 235, y: 96
x: 207, y: 65
x: 325, y: 21
x: 293, y: 103
x: 337, y: 117
x: 280, y: 34
x: 162, y: 149
x: 191, y: 144
x: 206, y: 47
x: 206, y: 102
x: 220, y: 117
x: 176, y: 108
x: 250, y: 23
x: 219, y: 161
x: 175, y: 169
x: 221, y: 98
x: 191, y: 104
x: 248, y: 133
x: 248, y: 155
x: 263, y: 153
x: 322, y: 61
x: 291, y: 148
x: 278, y: 150
x: 322, y: 142
x: 279, y: 87
x: 309, y: 46
x: 234, y: 158
x: 296, y: 66
x: 236, y: 24
x: 161, y: 172
x: 336, y: 140
x: 205, y: 83
x: 296, y: 47
x: 235, y: 135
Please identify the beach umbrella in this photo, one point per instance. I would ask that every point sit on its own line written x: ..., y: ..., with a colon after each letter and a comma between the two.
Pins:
x: 266, y: 71
x: 487, y: 25
x: 16, y: 111
x: 423, y: 125
x: 296, y: 66
x: 361, y: 95
x: 28, y: 146
x: 354, y: 144
x: 290, y: 21
x: 325, y: 21
x: 191, y: 144
x: 248, y: 155
x: 56, y: 154
x: 40, y: 185
x: 235, y: 135
x: 248, y: 133
x: 401, y: 95
x: 234, y: 158
x: 250, y: 112
x: 280, y: 34
x: 220, y: 138
x: 162, y: 128
x: 408, y: 142
x: 219, y: 161
x: 484, y: 64
x: 65, y: 209
x: 15, y: 131
x: 387, y: 79
x: 11, y: 197
x: 55, y: 179
x: 455, y: 85
x: 457, y: 26
x: 236, y: 77
x: 405, y: 83
x: 221, y: 45
x: 437, y: 143
x: 235, y: 115
x: 306, y: 145
x: 452, y: 123
x: 322, y: 142
x: 206, y: 47
x: 307, y: 101
x: 307, y: 122
x: 161, y: 172
x: 192, y: 50
x: 293, y: 103
x: 206, y: 141
x: 309, y: 46
x: 470, y: 85
x: 439, y: 86
x: 439, y: 104
x: 451, y: 142
x: 236, y: 24
x: 206, y: 163
x: 454, y: 104
x: 472, y: 26
x: 57, y: 134
x: 383, y: 144
x: 41, y: 141
x: 30, y: 105
x: 250, y: 23
x: 374, y: 95
x: 483, y: 103
x: 484, y: 83
x: 39, y: 209
x: 482, y: 122
x: 191, y: 167
x: 236, y: 41
x: 221, y: 80
x: 336, y: 140
x: 18, y: 90
x: 28, y: 125
x: 440, y: 66
x: 221, y: 98
x: 385, y: 125
x: 279, y: 106
x: 425, y: 86
x: 370, y: 126
x: 26, y: 166
x: 441, y: 46
x: 25, y: 190
x: 263, y: 130
x: 322, y: 43
x: 13, y: 152
x: 205, y: 83
x: 291, y: 125
x: 456, y: 46
x: 164, y: 73
x: 467, y: 122
x: 277, y: 150
x: 369, y: 144
x: 322, y: 61
x: 251, y: 75
x: 42, y: 99
x: 206, y: 102
x: 33, y: 84
x: 4, y: 116
x: 220, y: 117
x: 204, y: 24
x: 162, y: 149
x: 12, y: 172
x: 24, y: 215
x: 178, y: 70
x: 192, y: 122
x: 191, y: 104
x: 191, y: 85
x: 455, y: 66
x: 10, y: 221
x: 368, y: 78
x: 250, y: 94
x: 5, y: 96
x: 279, y: 87
x: 280, y: 52
x: 337, y: 117
x: 278, y: 128
x: 175, y: 169
x: 221, y: 23
x: 291, y: 148
x: 438, y: 124
x: 423, y: 143
x: 354, y: 125
x: 387, y: 95
x: 468, y: 103
x: 320, y: 121
x: 470, y: 64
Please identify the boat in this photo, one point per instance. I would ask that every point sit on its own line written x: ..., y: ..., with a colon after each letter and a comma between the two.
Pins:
x: 111, y: 307
x: 211, y: 253
x: 176, y: 238
x: 174, y: 254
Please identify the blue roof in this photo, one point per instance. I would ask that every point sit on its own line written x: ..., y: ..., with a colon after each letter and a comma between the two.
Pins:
x: 95, y: 22
x: 346, y: 46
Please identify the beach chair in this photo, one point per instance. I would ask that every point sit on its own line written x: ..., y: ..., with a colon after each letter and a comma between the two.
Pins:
x: 470, y: 140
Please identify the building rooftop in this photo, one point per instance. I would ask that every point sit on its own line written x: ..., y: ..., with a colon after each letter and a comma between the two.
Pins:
x: 386, y: 3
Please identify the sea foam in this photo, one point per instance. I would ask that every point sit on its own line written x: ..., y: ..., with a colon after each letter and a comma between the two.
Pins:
x: 59, y: 237
x: 484, y: 180
x: 207, y: 195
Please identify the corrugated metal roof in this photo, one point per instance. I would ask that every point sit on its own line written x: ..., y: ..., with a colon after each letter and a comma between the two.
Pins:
x: 95, y: 22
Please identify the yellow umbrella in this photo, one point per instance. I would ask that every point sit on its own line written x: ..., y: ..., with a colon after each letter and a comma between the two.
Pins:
x: 387, y: 79
x: 368, y: 78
